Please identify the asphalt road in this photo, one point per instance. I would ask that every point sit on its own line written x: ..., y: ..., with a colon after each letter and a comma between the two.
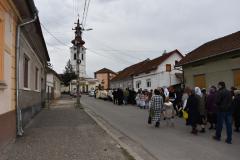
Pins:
x: 165, y: 143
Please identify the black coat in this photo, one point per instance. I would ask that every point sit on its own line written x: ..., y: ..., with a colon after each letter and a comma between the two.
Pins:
x: 236, y: 106
x: 224, y: 100
x: 192, y: 109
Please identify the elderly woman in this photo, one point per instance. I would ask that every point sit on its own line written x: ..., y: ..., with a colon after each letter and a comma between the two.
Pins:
x: 212, y: 107
x: 201, y: 108
x: 192, y: 109
x: 156, y: 107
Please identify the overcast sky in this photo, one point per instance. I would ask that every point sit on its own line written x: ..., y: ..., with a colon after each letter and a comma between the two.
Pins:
x: 128, y: 31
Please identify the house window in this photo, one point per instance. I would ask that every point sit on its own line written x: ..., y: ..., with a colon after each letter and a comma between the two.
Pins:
x: 1, y: 48
x: 82, y: 56
x: 236, y: 75
x: 36, y: 79
x: 74, y: 56
x: 168, y: 68
x: 200, y: 81
x: 25, y: 66
x: 138, y: 84
x: 148, y: 82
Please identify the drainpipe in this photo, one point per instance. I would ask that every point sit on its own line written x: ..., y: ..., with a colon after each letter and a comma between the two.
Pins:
x: 19, y: 112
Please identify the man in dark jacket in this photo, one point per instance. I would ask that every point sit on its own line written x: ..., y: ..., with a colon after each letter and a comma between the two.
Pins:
x: 236, y: 108
x: 224, y: 112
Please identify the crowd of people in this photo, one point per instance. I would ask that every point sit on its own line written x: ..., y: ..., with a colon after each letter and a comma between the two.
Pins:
x: 201, y: 107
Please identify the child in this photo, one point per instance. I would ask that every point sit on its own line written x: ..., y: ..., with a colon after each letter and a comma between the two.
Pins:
x: 169, y: 112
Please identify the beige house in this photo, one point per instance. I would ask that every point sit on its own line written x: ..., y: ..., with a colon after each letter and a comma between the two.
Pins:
x: 214, y: 61
x: 23, y: 60
x: 104, y: 76
x: 8, y: 24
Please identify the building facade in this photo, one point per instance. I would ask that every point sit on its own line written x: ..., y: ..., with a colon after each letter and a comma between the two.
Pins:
x: 53, y: 89
x: 104, y: 76
x: 214, y: 61
x: 159, y: 72
x: 8, y: 25
x: 124, y: 78
x: 82, y: 56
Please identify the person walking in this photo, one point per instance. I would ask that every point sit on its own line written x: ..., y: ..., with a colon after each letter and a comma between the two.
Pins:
x: 126, y: 95
x: 169, y: 112
x: 212, y: 107
x: 156, y: 107
x: 236, y: 112
x: 224, y: 113
x: 142, y: 103
x: 192, y: 109
x: 201, y: 108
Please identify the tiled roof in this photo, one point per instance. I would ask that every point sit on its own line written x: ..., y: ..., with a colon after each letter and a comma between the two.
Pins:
x: 105, y: 70
x: 144, y: 66
x: 130, y: 71
x: 213, y: 48
x: 153, y: 64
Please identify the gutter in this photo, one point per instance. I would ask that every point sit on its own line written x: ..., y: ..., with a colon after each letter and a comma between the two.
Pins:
x: 19, y: 111
x: 208, y: 57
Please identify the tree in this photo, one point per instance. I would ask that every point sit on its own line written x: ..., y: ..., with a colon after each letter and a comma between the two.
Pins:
x: 69, y: 74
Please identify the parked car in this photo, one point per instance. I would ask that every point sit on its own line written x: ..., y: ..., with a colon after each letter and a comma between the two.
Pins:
x: 91, y: 93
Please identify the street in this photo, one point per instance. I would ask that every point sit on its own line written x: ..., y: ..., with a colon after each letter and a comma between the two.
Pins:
x: 165, y: 143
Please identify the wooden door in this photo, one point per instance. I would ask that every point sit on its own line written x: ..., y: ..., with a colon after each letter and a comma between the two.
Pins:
x: 200, y: 81
x: 236, y: 77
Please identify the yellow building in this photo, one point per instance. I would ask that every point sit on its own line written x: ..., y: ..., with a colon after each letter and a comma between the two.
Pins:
x: 8, y: 25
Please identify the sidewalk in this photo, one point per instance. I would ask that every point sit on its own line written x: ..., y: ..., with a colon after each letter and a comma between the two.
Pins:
x: 64, y: 133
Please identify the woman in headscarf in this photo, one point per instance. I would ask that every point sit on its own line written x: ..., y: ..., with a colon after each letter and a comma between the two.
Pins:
x: 212, y: 107
x: 156, y: 107
x: 201, y: 108
x: 192, y: 109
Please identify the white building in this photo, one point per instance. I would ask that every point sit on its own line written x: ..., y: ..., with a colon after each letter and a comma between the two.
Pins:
x: 86, y: 83
x: 53, y: 87
x: 82, y: 56
x: 159, y: 72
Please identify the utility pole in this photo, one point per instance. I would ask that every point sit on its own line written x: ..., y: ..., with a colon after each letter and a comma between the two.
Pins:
x: 78, y: 43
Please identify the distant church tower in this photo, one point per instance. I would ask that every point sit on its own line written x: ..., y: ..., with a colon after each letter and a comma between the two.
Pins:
x: 82, y: 57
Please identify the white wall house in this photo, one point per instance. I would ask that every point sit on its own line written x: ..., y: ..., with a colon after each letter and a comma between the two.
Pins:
x: 153, y: 74
x: 53, y: 85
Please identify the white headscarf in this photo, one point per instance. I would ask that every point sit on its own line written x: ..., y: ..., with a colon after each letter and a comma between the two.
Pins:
x: 198, y: 91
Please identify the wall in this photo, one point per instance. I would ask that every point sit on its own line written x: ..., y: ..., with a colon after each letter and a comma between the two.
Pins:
x: 159, y: 77
x: 82, y: 67
x: 57, y: 87
x: 103, y: 77
x: 215, y: 71
x: 123, y: 84
x: 8, y: 20
x: 30, y: 107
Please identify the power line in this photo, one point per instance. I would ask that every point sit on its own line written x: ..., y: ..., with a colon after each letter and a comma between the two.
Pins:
x: 112, y: 58
x: 126, y: 54
x: 54, y: 36
x: 86, y: 14
x: 84, y: 10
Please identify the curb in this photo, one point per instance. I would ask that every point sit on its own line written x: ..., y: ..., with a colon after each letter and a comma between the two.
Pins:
x: 124, y: 145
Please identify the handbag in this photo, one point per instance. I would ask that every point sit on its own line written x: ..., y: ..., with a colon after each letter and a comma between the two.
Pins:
x: 185, y: 114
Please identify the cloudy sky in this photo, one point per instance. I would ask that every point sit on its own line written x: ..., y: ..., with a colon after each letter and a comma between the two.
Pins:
x: 128, y: 31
